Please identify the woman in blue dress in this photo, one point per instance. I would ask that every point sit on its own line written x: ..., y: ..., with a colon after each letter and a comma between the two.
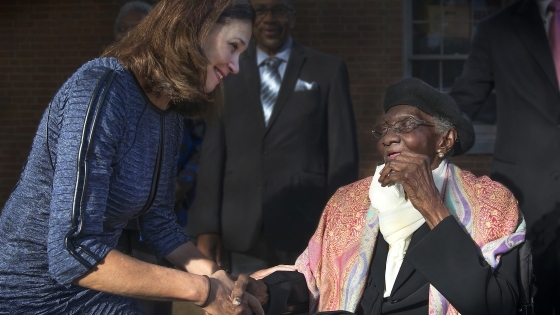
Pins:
x: 106, y: 152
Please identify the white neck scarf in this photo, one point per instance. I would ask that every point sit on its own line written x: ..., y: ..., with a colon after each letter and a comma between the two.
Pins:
x: 398, y: 219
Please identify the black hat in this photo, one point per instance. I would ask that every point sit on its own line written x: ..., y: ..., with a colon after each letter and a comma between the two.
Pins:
x: 417, y: 93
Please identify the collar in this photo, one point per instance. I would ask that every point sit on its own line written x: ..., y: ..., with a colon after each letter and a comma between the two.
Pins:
x: 439, y: 174
x: 283, y: 53
x: 543, y: 4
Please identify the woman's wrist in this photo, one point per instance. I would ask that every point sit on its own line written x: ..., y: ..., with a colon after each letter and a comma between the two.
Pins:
x: 205, y: 298
x: 438, y: 213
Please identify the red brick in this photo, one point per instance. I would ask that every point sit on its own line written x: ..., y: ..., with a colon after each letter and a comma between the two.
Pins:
x: 52, y: 38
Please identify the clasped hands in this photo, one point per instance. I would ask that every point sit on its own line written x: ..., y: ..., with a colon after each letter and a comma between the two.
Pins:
x: 248, y: 293
x: 240, y: 295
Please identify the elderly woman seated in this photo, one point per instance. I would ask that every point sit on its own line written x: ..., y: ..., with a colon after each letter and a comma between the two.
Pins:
x: 420, y: 237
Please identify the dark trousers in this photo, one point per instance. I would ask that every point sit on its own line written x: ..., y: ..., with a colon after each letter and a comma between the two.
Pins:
x: 545, y: 236
x: 547, y: 278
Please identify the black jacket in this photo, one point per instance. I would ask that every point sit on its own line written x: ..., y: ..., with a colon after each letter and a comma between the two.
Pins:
x: 446, y: 257
x: 510, y: 53
x: 277, y: 177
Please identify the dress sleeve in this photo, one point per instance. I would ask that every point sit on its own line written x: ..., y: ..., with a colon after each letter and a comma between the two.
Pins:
x: 86, y: 138
x: 475, y: 84
x: 158, y: 226
x: 450, y: 260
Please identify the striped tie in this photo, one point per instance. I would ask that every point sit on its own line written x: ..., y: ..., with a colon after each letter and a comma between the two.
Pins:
x: 270, y: 84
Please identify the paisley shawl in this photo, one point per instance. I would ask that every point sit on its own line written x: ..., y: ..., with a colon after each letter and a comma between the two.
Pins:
x: 336, y: 261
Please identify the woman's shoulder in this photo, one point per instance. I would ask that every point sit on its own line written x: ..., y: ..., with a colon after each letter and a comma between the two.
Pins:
x: 350, y: 199
x: 102, y: 63
x: 356, y: 188
x: 489, y: 193
x: 92, y: 72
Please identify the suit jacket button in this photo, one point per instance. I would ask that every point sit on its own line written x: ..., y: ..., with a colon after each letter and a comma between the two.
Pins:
x: 554, y: 175
x: 265, y: 152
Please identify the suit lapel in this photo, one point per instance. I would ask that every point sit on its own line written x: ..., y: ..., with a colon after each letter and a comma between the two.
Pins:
x: 529, y: 26
x: 293, y: 68
x: 250, y: 70
x: 379, y: 263
x: 406, y: 268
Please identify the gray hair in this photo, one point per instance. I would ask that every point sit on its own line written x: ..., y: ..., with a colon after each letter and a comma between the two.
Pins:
x: 132, y: 6
x: 443, y: 126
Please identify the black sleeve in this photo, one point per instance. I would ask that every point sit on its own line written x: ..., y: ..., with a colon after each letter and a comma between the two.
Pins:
x: 287, y: 292
x: 475, y: 84
x: 343, y: 145
x: 450, y: 260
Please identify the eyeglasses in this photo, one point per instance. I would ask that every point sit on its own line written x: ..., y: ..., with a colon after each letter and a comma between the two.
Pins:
x: 400, y: 126
x: 276, y: 11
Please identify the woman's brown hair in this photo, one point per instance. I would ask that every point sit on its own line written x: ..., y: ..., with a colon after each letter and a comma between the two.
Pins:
x: 165, y: 49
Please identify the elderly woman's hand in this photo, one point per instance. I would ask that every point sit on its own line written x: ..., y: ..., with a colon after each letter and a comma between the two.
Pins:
x: 259, y: 274
x: 229, y: 297
x: 413, y: 172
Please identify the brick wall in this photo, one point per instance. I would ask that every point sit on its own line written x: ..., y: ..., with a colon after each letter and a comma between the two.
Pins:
x: 368, y: 34
x: 44, y: 41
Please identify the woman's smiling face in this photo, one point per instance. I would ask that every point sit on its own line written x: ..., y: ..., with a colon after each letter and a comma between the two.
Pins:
x: 222, y: 48
x: 423, y: 140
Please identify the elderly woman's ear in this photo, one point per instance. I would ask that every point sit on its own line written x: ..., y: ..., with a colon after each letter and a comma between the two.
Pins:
x: 446, y: 143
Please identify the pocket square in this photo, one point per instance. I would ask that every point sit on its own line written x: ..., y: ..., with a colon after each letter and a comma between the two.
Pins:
x: 306, y: 86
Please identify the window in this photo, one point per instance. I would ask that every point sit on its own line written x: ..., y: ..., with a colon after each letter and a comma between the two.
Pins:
x: 437, y: 37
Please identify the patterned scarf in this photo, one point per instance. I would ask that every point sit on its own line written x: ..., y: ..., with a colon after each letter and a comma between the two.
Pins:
x: 336, y: 261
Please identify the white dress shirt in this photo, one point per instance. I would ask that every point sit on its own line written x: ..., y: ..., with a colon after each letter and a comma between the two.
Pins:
x: 283, y: 54
x: 545, y: 16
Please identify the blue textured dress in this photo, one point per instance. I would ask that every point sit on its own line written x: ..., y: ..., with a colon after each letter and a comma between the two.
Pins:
x: 93, y: 166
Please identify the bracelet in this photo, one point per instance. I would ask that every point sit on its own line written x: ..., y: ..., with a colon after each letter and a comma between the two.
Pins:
x: 203, y: 305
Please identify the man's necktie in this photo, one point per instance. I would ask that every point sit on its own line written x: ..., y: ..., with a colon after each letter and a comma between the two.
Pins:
x: 270, y: 85
x: 554, y: 34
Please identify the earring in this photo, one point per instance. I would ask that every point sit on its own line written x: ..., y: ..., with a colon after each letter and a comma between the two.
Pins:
x: 440, y: 154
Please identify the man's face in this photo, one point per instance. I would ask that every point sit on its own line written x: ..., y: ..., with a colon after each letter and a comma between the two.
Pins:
x: 272, y: 24
x: 127, y: 22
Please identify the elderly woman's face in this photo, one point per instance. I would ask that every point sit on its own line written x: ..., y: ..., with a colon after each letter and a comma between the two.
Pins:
x: 222, y: 47
x: 422, y: 140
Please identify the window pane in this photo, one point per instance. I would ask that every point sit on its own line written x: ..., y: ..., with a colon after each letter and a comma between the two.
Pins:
x: 456, y: 11
x: 426, y: 70
x: 456, y: 38
x: 483, y: 8
x: 426, y: 38
x: 422, y: 9
x: 451, y: 69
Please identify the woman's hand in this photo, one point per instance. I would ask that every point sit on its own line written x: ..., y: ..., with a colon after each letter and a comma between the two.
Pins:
x: 258, y: 275
x: 413, y: 172
x: 229, y: 297
x: 261, y: 289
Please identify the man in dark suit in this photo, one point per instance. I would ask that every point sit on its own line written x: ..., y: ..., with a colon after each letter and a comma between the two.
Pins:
x: 286, y: 142
x: 512, y: 54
